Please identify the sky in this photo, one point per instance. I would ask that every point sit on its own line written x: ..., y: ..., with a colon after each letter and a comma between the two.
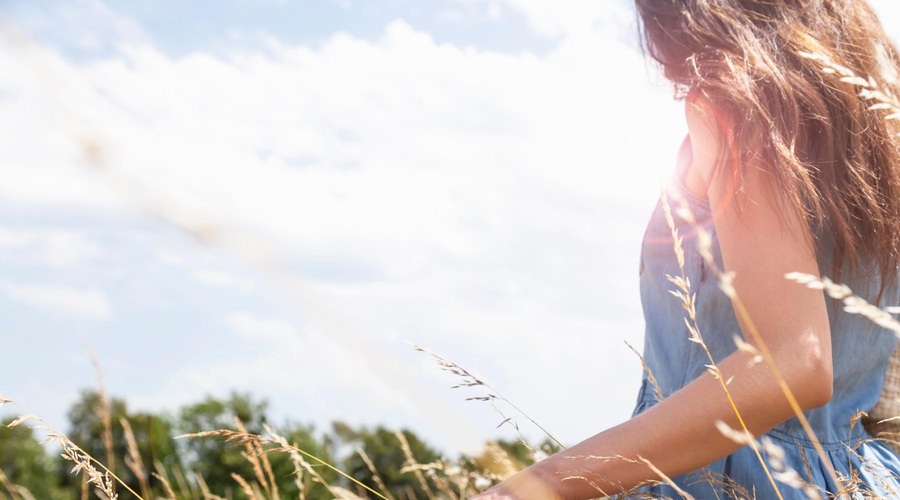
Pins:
x: 283, y: 197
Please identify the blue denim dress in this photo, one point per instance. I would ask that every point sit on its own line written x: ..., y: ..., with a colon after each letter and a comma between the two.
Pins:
x: 860, y: 355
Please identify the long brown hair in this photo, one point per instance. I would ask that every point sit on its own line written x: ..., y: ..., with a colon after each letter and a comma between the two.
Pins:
x: 822, y: 149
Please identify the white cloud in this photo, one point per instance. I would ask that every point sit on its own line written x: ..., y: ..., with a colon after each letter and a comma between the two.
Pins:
x: 66, y: 248
x: 889, y: 13
x: 214, y: 277
x: 14, y: 239
x: 170, y: 258
x: 269, y: 331
x: 314, y: 377
x: 53, y: 247
x: 90, y: 303
x: 487, y: 205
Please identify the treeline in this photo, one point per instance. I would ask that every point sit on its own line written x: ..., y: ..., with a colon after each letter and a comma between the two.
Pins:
x: 140, y: 448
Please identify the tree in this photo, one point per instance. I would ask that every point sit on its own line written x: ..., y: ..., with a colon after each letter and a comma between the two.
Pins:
x: 518, y: 452
x: 304, y: 438
x: 25, y: 463
x: 211, y: 457
x: 153, y: 436
x: 522, y: 455
x: 386, y: 453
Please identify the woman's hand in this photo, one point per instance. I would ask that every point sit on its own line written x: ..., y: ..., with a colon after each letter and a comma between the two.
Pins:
x: 494, y: 493
x: 528, y: 484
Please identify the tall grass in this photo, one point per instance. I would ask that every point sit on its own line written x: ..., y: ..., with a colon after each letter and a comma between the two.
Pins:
x: 441, y: 479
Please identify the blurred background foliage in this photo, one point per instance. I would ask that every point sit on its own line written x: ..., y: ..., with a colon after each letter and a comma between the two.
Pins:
x: 187, y: 462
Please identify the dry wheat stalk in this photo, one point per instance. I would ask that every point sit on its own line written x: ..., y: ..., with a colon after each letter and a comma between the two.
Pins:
x: 689, y: 304
x: 657, y: 391
x: 204, y: 488
x: 345, y: 494
x: 254, y: 454
x: 24, y: 493
x: 461, y: 479
x: 375, y: 475
x: 133, y: 461
x: 887, y: 479
x: 274, y: 443
x: 869, y: 89
x: 8, y: 486
x: 783, y: 472
x: 161, y: 475
x: 103, y: 412
x: 493, y: 395
x: 666, y: 479
x: 251, y: 492
x: 103, y: 479
x: 853, y: 304
x: 300, y: 464
x: 183, y: 484
x: 884, y: 428
x: 726, y: 280
x: 609, y: 458
x: 440, y: 481
x: 503, y: 462
x: 270, y: 475
x: 411, y: 461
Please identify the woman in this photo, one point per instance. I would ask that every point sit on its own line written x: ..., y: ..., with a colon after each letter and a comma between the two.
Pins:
x: 788, y: 170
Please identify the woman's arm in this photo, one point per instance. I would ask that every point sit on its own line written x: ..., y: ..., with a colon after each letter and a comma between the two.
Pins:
x: 760, y: 243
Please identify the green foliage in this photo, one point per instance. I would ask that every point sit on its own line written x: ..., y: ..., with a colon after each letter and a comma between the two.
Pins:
x: 48, y: 477
x: 25, y: 462
x: 384, y: 450
x: 153, y: 435
x: 210, y: 457
x: 521, y: 455
x: 303, y: 437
